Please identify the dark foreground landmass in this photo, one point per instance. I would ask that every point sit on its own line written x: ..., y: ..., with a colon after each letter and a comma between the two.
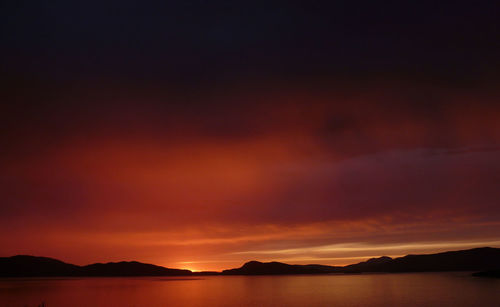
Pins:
x: 486, y: 260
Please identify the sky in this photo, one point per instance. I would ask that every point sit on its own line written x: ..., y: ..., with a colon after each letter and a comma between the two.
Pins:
x: 204, y: 134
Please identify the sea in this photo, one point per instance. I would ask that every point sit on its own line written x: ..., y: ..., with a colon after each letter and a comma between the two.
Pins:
x: 403, y: 289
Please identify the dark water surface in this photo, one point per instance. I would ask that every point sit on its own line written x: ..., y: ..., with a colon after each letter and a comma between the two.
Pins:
x: 413, y: 289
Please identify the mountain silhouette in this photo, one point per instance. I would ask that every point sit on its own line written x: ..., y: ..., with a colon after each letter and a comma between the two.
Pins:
x: 24, y: 266
x: 27, y: 266
x: 131, y: 268
x: 476, y: 259
x: 278, y: 268
x: 485, y: 259
x: 366, y: 265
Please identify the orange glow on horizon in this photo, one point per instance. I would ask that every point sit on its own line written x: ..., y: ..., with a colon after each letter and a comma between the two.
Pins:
x: 314, y: 180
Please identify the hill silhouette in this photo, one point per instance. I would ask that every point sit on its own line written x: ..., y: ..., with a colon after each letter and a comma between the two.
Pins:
x: 24, y: 266
x: 31, y: 266
x: 366, y: 265
x: 477, y: 259
x: 131, y: 268
x: 278, y: 268
x: 484, y: 259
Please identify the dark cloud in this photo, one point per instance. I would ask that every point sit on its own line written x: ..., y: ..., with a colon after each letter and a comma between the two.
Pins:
x: 186, y: 42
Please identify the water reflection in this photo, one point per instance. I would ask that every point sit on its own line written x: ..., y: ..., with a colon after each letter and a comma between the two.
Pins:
x: 418, y: 289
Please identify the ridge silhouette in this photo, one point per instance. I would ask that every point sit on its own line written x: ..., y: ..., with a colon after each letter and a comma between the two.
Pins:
x: 485, y: 259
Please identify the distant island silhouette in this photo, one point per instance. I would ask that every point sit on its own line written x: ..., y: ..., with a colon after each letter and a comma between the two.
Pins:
x: 489, y: 274
x: 485, y: 259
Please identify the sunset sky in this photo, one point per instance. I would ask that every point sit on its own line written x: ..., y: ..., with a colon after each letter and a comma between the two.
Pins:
x: 203, y: 134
